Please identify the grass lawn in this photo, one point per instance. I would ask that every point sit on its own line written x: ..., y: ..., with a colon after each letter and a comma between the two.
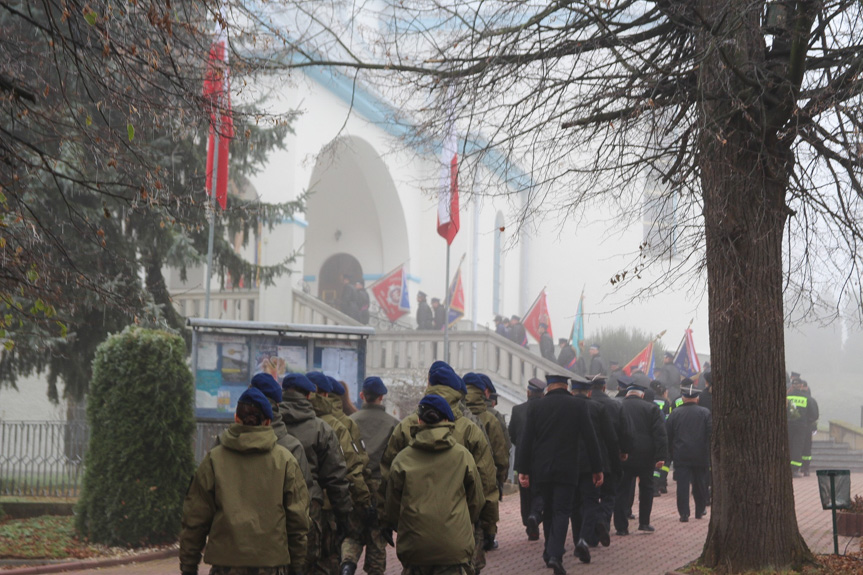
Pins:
x: 46, y: 537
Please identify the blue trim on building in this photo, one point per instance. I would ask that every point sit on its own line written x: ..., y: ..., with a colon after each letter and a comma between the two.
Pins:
x: 390, y: 121
x: 375, y: 277
x: 310, y: 279
x: 300, y: 222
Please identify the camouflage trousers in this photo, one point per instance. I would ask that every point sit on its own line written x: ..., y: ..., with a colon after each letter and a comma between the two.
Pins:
x: 478, y: 551
x: 313, y: 550
x: 437, y: 570
x: 376, y: 547
x: 327, y: 563
x: 221, y: 570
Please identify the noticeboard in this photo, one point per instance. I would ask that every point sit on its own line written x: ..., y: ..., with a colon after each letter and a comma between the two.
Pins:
x: 225, y: 359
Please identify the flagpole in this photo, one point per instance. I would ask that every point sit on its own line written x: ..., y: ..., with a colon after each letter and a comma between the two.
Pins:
x: 212, y: 203
x: 446, y: 310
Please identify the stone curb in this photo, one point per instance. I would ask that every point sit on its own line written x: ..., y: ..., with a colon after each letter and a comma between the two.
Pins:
x: 93, y: 564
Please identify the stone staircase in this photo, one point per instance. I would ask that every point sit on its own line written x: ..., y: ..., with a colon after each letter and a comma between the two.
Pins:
x: 831, y: 454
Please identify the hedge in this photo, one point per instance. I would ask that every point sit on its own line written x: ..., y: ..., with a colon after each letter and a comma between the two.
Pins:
x: 140, y: 459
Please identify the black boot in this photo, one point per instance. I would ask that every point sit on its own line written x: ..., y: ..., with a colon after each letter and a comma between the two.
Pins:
x: 348, y: 568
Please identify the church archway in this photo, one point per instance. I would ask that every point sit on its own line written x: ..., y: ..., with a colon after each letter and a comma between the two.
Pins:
x: 354, y: 209
x: 330, y: 278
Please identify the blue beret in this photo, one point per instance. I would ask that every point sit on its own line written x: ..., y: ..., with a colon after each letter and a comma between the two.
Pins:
x: 320, y: 381
x: 298, y: 381
x: 488, y: 384
x: 474, y: 379
x: 253, y: 396
x: 336, y: 386
x: 440, y: 373
x: 550, y: 378
x: 374, y: 385
x: 439, y: 404
x: 268, y: 386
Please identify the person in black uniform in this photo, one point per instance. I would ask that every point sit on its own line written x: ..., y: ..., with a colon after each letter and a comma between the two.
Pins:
x: 531, y: 498
x: 547, y: 457
x: 567, y: 357
x: 597, y: 364
x: 425, y: 317
x: 689, y: 428
x: 438, y: 313
x: 660, y: 398
x: 517, y: 333
x: 798, y: 424
x: 649, y: 451
x: 588, y: 524
x: 546, y: 344
x: 623, y: 429
x: 813, y: 414
x: 705, y: 398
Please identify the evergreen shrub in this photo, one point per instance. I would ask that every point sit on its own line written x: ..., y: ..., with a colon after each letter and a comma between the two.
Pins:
x: 140, y: 458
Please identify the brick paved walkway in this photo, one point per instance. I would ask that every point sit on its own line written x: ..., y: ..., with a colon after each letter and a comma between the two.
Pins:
x: 673, y: 545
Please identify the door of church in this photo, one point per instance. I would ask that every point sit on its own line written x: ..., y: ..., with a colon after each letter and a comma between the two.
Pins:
x: 330, y: 279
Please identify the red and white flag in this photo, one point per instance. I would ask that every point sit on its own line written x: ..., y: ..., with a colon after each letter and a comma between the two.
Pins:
x: 537, y: 314
x: 391, y: 293
x: 217, y: 91
x: 447, y: 208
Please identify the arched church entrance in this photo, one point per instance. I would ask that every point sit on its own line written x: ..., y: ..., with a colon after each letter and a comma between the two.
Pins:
x: 356, y: 221
x: 330, y: 279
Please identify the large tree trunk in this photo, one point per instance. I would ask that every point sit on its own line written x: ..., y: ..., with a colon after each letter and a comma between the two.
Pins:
x: 744, y: 173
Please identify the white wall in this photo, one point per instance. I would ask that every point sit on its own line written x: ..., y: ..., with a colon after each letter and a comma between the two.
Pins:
x: 30, y: 402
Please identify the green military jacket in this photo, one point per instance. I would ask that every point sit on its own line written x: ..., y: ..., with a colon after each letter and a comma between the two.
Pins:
x: 465, y: 433
x: 476, y: 403
x: 248, y: 503
x: 293, y: 445
x: 434, y: 496
x: 355, y: 463
x: 353, y: 428
x: 376, y: 427
x: 323, y: 451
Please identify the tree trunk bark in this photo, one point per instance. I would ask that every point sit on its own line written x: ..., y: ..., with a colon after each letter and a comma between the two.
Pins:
x: 744, y: 173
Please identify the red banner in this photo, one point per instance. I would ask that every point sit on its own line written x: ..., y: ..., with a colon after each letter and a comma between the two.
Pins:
x: 537, y: 314
x: 391, y: 293
x: 217, y: 92
x: 643, y: 360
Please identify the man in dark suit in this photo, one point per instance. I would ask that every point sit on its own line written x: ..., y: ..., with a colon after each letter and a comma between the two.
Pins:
x: 623, y: 429
x: 649, y: 452
x: 548, y: 458
x: 588, y: 526
x: 689, y: 428
x: 531, y: 499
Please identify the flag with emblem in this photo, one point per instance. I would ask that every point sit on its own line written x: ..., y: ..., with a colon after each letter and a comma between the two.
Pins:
x: 391, y: 293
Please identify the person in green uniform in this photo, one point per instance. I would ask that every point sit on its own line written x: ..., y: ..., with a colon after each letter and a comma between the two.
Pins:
x: 334, y: 539
x: 434, y: 496
x: 248, y: 502
x: 477, y: 392
x: 326, y: 461
x: 444, y: 382
x: 376, y: 426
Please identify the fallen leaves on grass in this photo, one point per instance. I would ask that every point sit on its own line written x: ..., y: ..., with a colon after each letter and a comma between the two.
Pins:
x: 46, y: 537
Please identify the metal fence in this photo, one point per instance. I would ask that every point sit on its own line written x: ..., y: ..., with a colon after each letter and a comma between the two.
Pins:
x: 46, y: 459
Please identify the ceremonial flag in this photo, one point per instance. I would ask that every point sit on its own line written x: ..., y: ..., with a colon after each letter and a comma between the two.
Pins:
x: 217, y: 91
x: 391, y: 293
x: 686, y: 359
x: 537, y: 314
x: 643, y: 360
x: 456, y: 298
x: 447, y: 208
x: 578, y: 327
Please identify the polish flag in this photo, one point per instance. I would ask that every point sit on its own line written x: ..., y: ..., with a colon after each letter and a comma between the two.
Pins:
x: 217, y: 91
x: 447, y: 208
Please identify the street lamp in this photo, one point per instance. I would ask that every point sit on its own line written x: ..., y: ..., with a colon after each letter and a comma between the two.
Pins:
x: 834, y: 487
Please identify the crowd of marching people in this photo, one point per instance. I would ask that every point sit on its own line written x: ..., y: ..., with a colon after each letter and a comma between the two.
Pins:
x: 299, y: 484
